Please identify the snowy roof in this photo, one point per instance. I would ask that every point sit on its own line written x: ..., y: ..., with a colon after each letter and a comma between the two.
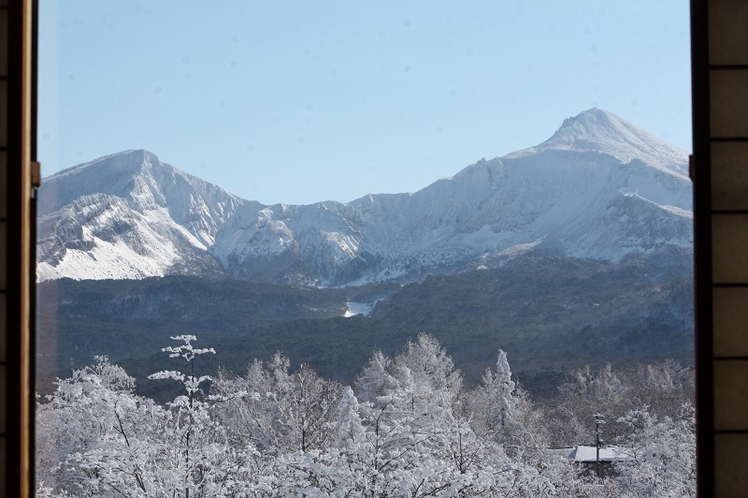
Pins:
x: 586, y: 454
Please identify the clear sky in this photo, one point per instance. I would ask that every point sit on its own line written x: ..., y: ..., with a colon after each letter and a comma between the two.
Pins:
x: 303, y: 101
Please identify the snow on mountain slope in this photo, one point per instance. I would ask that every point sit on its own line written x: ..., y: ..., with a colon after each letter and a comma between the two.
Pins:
x: 598, y: 188
x: 602, y: 131
x: 128, y: 215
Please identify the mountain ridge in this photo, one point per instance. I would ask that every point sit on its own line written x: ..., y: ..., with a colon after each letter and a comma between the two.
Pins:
x: 599, y: 187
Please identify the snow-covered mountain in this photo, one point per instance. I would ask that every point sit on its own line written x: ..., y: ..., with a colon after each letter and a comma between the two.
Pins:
x: 598, y: 188
x: 126, y: 216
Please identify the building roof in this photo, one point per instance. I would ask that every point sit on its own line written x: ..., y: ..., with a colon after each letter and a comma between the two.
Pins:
x: 588, y: 454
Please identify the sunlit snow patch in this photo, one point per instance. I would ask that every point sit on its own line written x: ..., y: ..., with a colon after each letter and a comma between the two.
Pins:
x: 358, y: 309
x: 518, y: 249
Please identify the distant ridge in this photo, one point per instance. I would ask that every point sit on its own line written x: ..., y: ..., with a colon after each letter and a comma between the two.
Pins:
x: 599, y: 188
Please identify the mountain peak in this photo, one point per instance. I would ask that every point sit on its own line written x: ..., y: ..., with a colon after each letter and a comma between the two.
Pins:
x: 127, y: 160
x: 597, y: 127
x: 593, y: 121
x: 129, y: 215
x: 113, y: 174
x: 602, y: 131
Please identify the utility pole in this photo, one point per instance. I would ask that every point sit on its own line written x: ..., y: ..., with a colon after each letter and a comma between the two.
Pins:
x: 599, y: 422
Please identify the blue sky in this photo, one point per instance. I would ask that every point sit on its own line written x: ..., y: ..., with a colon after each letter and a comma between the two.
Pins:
x: 301, y: 101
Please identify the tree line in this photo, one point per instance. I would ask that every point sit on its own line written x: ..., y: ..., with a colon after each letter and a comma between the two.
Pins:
x: 408, y: 427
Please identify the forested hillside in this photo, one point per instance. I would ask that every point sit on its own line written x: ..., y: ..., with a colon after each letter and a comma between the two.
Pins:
x: 549, y: 313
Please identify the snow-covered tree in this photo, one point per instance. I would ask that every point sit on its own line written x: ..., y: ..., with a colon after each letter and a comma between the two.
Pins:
x: 376, y: 380
x: 92, y: 412
x: 662, y: 454
x: 426, y: 374
x: 500, y: 388
x: 603, y: 384
x: 277, y: 410
x: 349, y: 430
x: 410, y: 428
x: 118, y: 444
